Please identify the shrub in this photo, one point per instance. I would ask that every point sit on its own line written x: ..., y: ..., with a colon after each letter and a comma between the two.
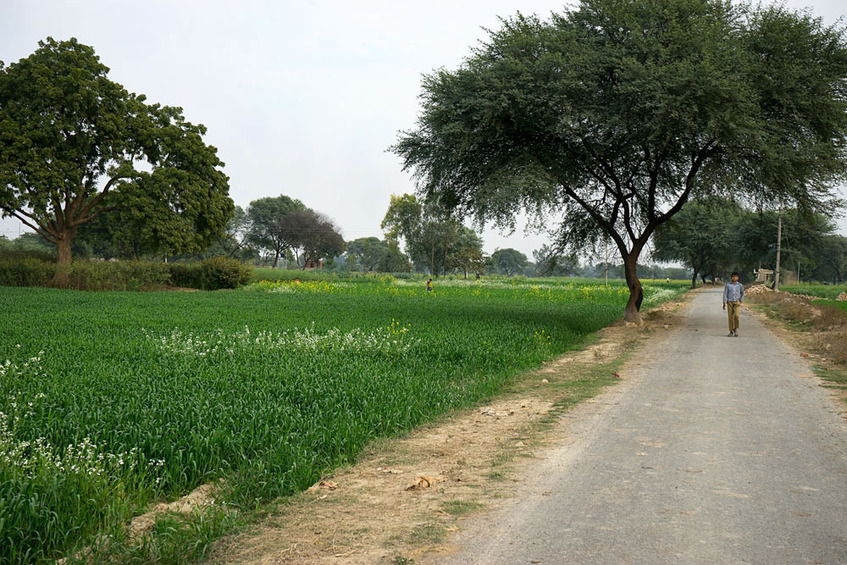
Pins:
x: 186, y: 275
x: 118, y: 275
x: 222, y: 272
x: 268, y: 274
x: 22, y: 270
x: 27, y: 270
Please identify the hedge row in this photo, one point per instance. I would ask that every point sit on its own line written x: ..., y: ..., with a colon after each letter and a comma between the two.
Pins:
x: 211, y: 274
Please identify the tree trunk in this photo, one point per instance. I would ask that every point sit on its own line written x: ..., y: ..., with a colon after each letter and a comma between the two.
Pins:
x: 694, y: 280
x: 636, y: 293
x: 62, y: 276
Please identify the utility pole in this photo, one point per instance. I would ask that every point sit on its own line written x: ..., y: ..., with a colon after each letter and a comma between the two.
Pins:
x: 778, y: 249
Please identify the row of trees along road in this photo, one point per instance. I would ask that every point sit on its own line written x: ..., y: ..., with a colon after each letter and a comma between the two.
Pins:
x: 715, y: 236
x: 607, y: 119
x: 75, y: 145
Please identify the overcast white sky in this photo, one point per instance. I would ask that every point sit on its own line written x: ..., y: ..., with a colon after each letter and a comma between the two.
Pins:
x: 300, y: 98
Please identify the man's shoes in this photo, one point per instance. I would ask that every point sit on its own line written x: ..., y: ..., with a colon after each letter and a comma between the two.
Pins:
x: 730, y: 334
x: 736, y: 333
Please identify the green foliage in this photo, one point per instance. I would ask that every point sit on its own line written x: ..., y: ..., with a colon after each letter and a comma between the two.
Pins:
x: 33, y: 245
x: 717, y: 236
x: 509, y: 261
x: 804, y: 242
x: 118, y: 275
x: 702, y: 236
x: 211, y: 274
x: 831, y: 259
x: 549, y: 261
x: 267, y: 387
x: 220, y: 272
x: 311, y: 234
x: 186, y: 275
x: 174, y: 539
x: 268, y: 274
x: 264, y: 216
x: 74, y: 145
x: 435, y: 242
x: 366, y: 253
x: 820, y: 290
x: 25, y: 270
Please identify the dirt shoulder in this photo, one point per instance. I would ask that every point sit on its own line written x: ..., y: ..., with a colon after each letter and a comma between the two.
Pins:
x: 811, y: 329
x: 405, y: 496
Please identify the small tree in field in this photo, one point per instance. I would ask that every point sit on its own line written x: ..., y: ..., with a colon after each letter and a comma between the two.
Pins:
x: 367, y: 252
x: 74, y: 145
x: 608, y: 118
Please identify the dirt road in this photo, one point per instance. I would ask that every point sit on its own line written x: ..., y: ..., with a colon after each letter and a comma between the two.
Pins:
x: 718, y: 450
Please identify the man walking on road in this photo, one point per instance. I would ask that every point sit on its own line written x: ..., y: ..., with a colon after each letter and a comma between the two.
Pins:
x: 733, y: 294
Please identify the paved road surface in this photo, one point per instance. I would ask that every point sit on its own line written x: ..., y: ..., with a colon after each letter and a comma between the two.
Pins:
x: 716, y: 450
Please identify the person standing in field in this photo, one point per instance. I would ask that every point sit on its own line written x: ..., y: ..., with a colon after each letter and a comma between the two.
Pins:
x: 429, y: 285
x: 733, y: 294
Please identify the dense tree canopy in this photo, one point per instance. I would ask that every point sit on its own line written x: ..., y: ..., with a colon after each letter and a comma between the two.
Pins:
x: 366, y: 253
x: 703, y: 237
x: 549, y: 261
x: 312, y: 236
x: 466, y: 254
x: 509, y: 261
x: 74, y: 144
x: 374, y: 254
x: 266, y: 217
x: 716, y: 236
x: 831, y: 264
x: 608, y: 118
x: 433, y: 240
x: 802, y: 238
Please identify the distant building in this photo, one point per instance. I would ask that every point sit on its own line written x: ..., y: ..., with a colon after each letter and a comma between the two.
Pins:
x: 312, y: 265
x: 764, y: 276
x: 786, y: 276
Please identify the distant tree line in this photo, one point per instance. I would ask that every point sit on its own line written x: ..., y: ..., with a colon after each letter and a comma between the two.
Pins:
x: 713, y: 237
x: 707, y: 240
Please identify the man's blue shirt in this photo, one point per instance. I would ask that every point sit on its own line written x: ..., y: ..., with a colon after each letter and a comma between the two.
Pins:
x: 733, y: 292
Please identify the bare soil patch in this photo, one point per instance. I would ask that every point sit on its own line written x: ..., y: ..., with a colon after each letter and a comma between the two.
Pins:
x: 404, y: 496
x: 815, y: 331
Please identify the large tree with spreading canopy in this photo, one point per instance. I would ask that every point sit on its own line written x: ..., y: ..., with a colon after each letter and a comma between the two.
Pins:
x: 74, y: 145
x: 608, y: 118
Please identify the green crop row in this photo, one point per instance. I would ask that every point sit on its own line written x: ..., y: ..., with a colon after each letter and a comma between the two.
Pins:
x: 820, y: 290
x: 110, y: 401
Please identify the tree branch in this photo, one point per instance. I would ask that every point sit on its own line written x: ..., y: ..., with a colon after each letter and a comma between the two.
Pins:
x: 23, y: 218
